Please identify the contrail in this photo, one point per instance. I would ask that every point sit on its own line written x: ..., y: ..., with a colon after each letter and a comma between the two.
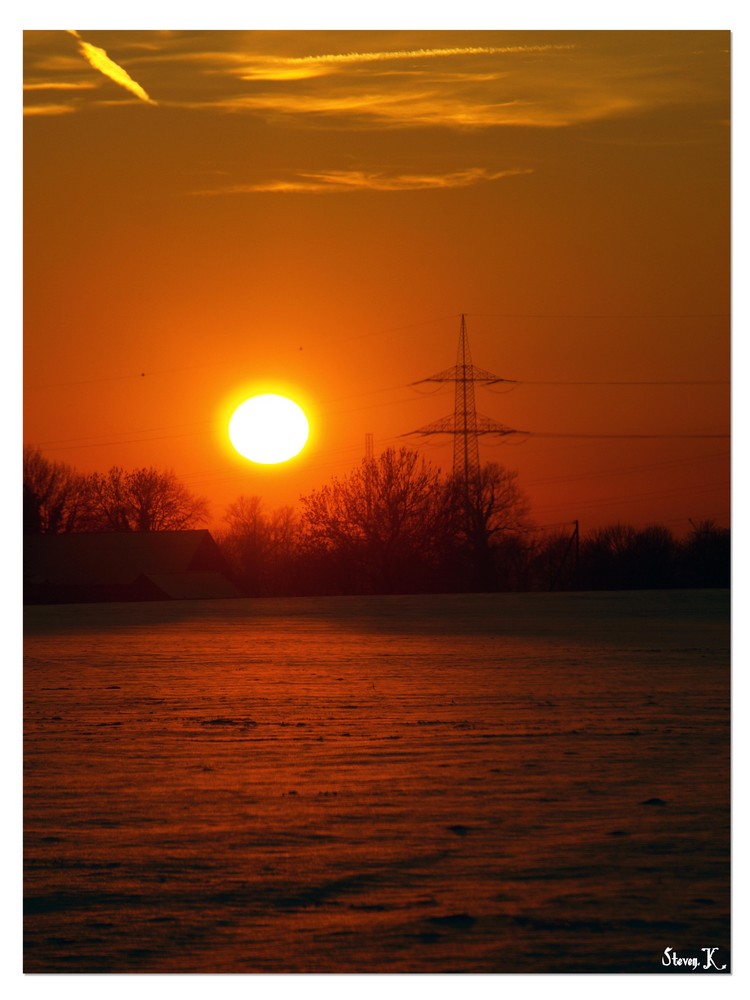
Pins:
x: 397, y: 54
x: 100, y: 61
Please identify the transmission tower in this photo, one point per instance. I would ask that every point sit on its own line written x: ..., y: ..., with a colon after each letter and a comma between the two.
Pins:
x: 466, y: 425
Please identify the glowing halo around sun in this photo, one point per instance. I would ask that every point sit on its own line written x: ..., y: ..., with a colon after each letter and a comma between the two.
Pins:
x: 268, y: 429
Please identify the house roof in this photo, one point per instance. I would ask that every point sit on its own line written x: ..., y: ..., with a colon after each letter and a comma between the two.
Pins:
x: 178, y: 563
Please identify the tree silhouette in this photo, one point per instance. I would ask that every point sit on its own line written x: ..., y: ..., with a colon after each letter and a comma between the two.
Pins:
x: 483, y: 520
x: 605, y: 554
x: 706, y: 556
x: 552, y: 561
x: 261, y: 548
x: 142, y: 500
x: 53, y: 495
x: 652, y: 558
x: 382, y: 526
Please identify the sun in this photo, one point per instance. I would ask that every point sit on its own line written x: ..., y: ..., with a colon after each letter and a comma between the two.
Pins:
x: 268, y: 429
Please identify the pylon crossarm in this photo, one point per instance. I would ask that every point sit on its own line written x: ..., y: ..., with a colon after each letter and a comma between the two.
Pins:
x: 448, y: 375
x: 442, y: 426
x: 467, y: 373
x: 482, y: 375
x: 425, y: 431
x: 482, y: 425
x: 466, y: 425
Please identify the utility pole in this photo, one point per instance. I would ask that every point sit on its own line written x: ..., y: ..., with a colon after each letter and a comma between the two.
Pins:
x: 561, y: 577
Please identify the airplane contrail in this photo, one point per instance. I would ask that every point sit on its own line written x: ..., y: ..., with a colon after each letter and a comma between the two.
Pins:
x: 99, y: 60
x: 397, y: 54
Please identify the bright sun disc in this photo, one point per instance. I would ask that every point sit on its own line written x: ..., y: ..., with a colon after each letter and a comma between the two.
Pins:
x: 268, y: 429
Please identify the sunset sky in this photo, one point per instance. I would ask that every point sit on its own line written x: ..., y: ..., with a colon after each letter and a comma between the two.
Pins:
x: 212, y: 213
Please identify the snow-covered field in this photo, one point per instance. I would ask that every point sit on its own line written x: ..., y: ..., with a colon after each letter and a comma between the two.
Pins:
x: 469, y: 783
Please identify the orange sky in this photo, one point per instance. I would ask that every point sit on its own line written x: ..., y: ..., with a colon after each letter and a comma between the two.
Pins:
x: 208, y: 213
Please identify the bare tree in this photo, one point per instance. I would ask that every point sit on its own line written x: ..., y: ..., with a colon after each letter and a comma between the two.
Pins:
x: 245, y: 518
x: 484, y: 516
x: 245, y: 541
x: 142, y: 500
x: 283, y: 530
x: 261, y: 548
x: 53, y: 495
x: 500, y: 506
x: 605, y: 555
x: 381, y: 523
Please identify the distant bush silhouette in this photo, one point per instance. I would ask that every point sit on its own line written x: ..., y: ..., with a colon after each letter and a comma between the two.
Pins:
x: 606, y: 555
x: 705, y: 557
x: 621, y: 558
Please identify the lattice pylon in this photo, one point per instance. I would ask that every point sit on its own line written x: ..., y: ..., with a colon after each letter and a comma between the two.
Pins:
x: 466, y: 425
x: 466, y: 439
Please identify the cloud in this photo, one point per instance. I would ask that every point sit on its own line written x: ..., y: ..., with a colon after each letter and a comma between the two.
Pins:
x: 60, y: 85
x: 556, y: 80
x: 99, y: 60
x: 466, y: 88
x: 405, y: 107
x: 339, y: 181
x: 49, y: 109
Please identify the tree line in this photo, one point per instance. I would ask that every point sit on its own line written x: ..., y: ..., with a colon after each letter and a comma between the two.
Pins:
x: 394, y: 524
x: 58, y: 499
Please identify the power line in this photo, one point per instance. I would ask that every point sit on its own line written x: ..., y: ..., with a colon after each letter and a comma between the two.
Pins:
x: 625, y: 437
x: 627, y: 471
x: 649, y: 495
x: 601, y: 315
x: 633, y: 382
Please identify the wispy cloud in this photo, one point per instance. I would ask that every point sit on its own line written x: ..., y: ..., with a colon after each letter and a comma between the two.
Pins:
x: 60, y: 85
x: 99, y: 60
x: 338, y: 181
x: 405, y: 107
x: 48, y: 109
x: 554, y: 80
x: 460, y: 87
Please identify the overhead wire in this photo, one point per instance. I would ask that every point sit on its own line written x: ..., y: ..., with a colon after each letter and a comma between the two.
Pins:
x: 648, y: 495
x: 626, y: 471
x: 626, y: 437
x: 599, y: 315
x: 632, y: 382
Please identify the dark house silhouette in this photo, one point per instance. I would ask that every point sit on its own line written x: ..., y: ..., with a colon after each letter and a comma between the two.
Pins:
x: 124, y: 566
